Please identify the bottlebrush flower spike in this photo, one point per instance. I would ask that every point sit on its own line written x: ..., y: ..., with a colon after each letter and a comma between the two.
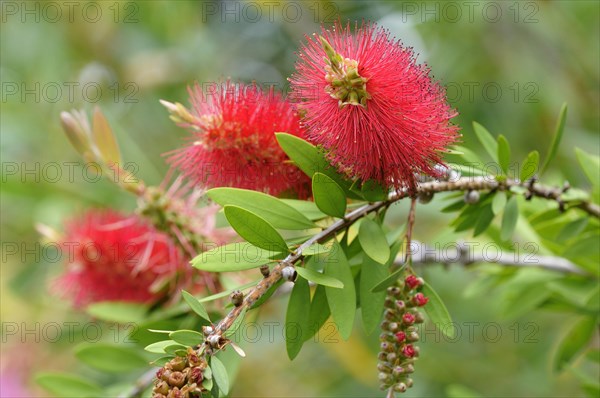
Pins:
x: 233, y: 144
x: 365, y: 99
x: 110, y: 256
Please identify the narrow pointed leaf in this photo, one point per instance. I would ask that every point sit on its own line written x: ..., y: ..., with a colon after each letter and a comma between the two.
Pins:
x: 371, y: 303
x: 271, y: 209
x: 236, y: 324
x: 574, y: 342
x: 187, y: 337
x: 254, y: 229
x: 195, y: 305
x: 342, y: 302
x: 372, y: 240
x: 486, y: 139
x: 498, y: 202
x: 590, y: 165
x: 509, y: 219
x: 558, y: 133
x: 110, y: 358
x: 237, y: 256
x: 503, y: 153
x: 319, y: 278
x: 297, y: 318
x: 319, y: 312
x: 220, y: 374
x: 530, y: 165
x: 437, y: 312
x: 329, y: 196
x: 63, y: 385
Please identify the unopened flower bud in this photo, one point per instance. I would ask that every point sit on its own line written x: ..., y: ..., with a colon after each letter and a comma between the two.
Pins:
x: 382, y: 356
x: 419, y: 318
x: 419, y: 299
x: 400, y: 305
x: 237, y: 298
x: 264, y: 270
x: 196, y: 375
x: 410, y: 368
x: 471, y: 197
x: 400, y: 387
x: 413, y: 336
x: 161, y: 388
x: 178, y: 363
x: 394, y: 291
x: 398, y: 370
x: 384, y: 377
x: 394, y: 327
x: 382, y: 367
x: 214, y: 340
x: 389, y: 315
x: 391, y: 357
x: 425, y: 197
x: 386, y: 346
x: 409, y: 382
x: 400, y: 337
x: 412, y: 281
x: 207, y: 330
x: 408, y: 318
x: 408, y: 351
x: 385, y: 325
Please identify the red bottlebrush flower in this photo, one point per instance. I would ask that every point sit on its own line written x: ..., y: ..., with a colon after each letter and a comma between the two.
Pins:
x: 408, y: 351
x: 420, y: 300
x: 412, y: 281
x: 114, y: 257
x: 408, y: 318
x: 400, y: 337
x: 233, y: 140
x: 366, y: 100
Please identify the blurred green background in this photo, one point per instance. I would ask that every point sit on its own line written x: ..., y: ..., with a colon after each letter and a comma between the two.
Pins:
x: 507, y: 65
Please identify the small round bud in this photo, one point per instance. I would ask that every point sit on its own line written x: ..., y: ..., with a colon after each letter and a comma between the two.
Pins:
x: 166, y: 374
x: 386, y: 346
x: 398, y: 370
x: 177, y: 379
x: 388, y: 303
x: 289, y: 273
x: 382, y: 356
x: 382, y: 367
x: 264, y: 270
x: 385, y: 325
x: 237, y: 298
x: 471, y: 197
x: 400, y: 305
x: 410, y: 368
x: 412, y: 281
x: 409, y: 382
x: 400, y: 387
x: 419, y: 318
x: 408, y: 351
x: 389, y: 315
x: 214, y: 340
x: 207, y: 330
x: 196, y: 375
x: 400, y: 337
x: 419, y: 299
x: 408, y: 318
x: 391, y: 357
x: 394, y: 291
x: 425, y: 197
x: 394, y: 327
x: 412, y: 336
x: 384, y: 377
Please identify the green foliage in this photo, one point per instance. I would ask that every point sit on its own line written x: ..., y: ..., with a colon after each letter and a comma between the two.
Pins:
x: 254, y: 229
x: 274, y: 211
x: 319, y: 278
x: 68, y: 385
x: 110, y: 358
x: 510, y: 217
x: 195, y: 305
x: 342, y: 302
x: 189, y: 338
x: 237, y: 256
x: 118, y: 311
x: 297, y: 318
x: 371, y: 303
x: 329, y: 196
x: 575, y: 340
x: 503, y: 153
x: 487, y: 140
x: 372, y: 240
x: 558, y: 133
x: 219, y: 373
x: 437, y: 312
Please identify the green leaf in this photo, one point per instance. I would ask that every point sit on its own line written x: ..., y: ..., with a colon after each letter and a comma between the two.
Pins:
x: 297, y: 317
x: 254, y: 229
x: 308, y: 158
x: 372, y: 191
x: 437, y: 312
x: 118, y: 311
x: 509, y: 218
x: 503, y: 153
x: 373, y: 241
x: 159, y: 346
x: 572, y: 229
x: 195, y: 305
x: 237, y: 256
x: 236, y: 324
x: 271, y: 209
x: 220, y: 374
x: 590, y: 165
x: 329, y: 196
x: 189, y: 338
x: 389, y: 281
x: 530, y: 165
x: 110, y: 358
x: 319, y: 278
x: 371, y: 303
x: 309, y: 209
x: 485, y: 218
x: 558, y: 133
x: 316, y: 249
x: 574, y: 342
x: 486, y: 139
x: 342, y: 302
x: 68, y: 385
x: 319, y: 312
x: 498, y: 202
